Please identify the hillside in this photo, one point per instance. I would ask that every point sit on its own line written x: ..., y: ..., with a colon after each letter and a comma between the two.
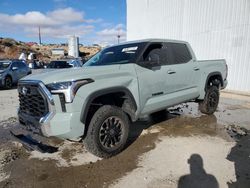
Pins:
x: 11, y: 49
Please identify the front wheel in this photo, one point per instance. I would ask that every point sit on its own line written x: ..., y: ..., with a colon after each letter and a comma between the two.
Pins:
x: 211, y: 101
x: 8, y: 82
x: 107, y: 132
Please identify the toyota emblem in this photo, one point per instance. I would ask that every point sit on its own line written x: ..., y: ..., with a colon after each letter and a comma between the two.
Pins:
x: 24, y: 90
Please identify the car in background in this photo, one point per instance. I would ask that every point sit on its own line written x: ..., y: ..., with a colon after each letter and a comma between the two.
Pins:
x: 11, y: 71
x: 61, y: 64
x: 36, y: 64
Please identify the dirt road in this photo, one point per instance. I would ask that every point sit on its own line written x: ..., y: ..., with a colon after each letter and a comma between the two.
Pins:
x: 8, y: 103
x: 182, y: 149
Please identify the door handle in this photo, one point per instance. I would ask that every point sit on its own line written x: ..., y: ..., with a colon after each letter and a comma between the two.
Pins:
x: 196, y: 68
x: 171, y: 72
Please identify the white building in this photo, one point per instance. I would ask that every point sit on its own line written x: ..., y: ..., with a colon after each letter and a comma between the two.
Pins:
x: 58, y: 52
x: 214, y: 28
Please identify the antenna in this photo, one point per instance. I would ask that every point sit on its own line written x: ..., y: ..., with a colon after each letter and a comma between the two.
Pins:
x: 39, y: 33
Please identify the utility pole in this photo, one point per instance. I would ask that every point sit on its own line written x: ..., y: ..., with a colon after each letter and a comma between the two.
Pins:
x: 118, y: 36
x: 39, y: 33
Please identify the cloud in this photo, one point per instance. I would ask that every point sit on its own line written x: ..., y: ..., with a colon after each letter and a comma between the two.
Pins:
x: 110, y: 35
x: 61, y: 32
x: 66, y: 15
x: 58, y: 23
x: 94, y: 20
x: 30, y: 18
x: 35, y: 18
x: 61, y: 23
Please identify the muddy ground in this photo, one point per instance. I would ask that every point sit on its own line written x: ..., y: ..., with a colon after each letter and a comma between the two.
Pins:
x: 181, y: 148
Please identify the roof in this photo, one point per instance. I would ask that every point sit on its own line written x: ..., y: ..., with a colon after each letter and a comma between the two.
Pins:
x: 152, y: 40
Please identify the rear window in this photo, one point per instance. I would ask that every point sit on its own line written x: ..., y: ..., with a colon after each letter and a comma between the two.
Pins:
x: 21, y: 65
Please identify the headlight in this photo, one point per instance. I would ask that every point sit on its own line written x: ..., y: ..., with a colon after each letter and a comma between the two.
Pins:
x: 69, y: 89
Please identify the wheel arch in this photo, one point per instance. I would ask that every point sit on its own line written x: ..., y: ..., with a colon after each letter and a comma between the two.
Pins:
x: 109, y: 91
x: 9, y: 75
x: 213, y: 76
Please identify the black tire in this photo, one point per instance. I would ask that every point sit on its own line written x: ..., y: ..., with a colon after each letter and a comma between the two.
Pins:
x: 8, y: 82
x: 211, y: 100
x: 107, y: 132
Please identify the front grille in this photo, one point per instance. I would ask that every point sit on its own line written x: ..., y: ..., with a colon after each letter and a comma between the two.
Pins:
x: 32, y: 102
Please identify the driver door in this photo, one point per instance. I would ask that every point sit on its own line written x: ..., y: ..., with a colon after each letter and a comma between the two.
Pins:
x: 152, y: 80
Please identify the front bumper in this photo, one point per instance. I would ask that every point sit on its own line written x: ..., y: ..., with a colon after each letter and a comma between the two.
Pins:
x: 65, y: 125
x: 60, y: 125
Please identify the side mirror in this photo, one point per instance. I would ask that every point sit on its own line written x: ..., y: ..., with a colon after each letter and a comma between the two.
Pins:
x: 14, y: 68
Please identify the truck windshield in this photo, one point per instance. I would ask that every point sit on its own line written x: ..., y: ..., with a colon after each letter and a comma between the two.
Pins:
x: 121, y: 54
x: 4, y: 64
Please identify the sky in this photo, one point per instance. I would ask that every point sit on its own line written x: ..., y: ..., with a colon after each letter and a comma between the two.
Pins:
x: 94, y: 21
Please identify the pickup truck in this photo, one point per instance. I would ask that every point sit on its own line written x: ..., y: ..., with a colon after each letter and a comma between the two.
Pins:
x: 120, y: 84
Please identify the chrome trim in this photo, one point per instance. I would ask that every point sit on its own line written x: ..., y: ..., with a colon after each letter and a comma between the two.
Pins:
x: 44, y: 121
x: 70, y: 92
x: 45, y: 91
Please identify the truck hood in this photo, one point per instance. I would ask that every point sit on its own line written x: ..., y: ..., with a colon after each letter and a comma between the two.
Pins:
x: 61, y: 75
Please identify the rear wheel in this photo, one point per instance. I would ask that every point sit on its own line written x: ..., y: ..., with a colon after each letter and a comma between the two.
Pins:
x: 8, y: 82
x: 107, y: 132
x: 211, y: 100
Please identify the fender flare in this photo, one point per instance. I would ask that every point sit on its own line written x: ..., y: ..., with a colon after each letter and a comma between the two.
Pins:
x: 101, y: 92
x: 213, y: 74
x: 9, y: 75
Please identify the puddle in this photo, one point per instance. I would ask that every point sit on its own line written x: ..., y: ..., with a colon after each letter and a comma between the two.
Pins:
x: 40, y: 173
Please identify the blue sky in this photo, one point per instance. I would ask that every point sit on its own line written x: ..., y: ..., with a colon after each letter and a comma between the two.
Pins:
x: 94, y: 21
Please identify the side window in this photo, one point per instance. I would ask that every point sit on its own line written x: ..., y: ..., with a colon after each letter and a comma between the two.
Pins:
x: 14, y: 64
x: 153, y: 53
x: 181, y: 53
x: 21, y: 65
x: 18, y: 64
x: 161, y: 51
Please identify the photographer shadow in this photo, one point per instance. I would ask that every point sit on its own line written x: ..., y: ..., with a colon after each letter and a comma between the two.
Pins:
x: 198, y: 177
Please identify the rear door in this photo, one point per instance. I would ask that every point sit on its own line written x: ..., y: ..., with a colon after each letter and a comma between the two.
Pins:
x: 15, y: 70
x: 183, y: 72
x: 23, y: 71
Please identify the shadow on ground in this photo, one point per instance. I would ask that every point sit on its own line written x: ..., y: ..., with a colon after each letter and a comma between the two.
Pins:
x: 198, y: 177
x: 240, y: 155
